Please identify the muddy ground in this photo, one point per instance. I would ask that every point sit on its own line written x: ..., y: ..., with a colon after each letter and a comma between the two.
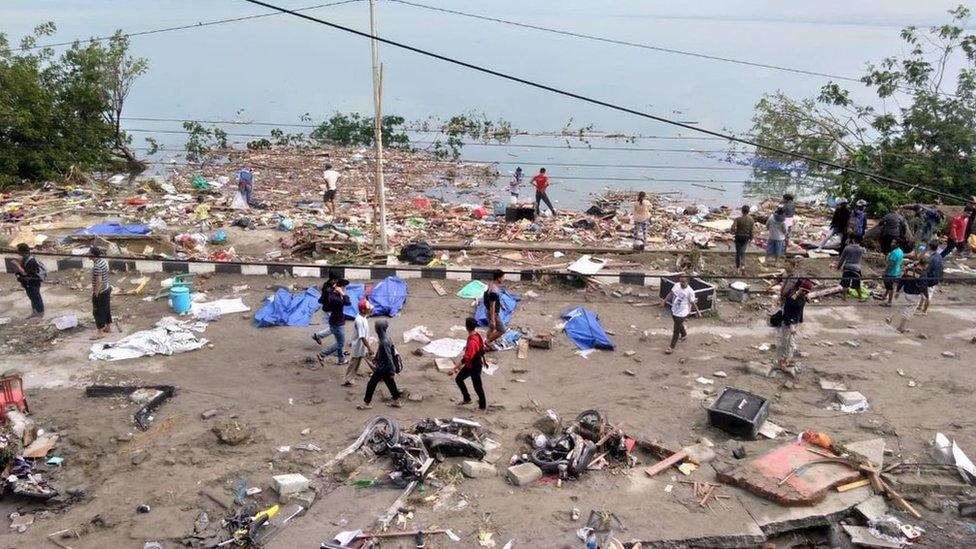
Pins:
x: 263, y: 378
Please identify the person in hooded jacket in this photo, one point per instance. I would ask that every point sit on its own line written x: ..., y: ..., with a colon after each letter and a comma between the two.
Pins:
x: 385, y: 368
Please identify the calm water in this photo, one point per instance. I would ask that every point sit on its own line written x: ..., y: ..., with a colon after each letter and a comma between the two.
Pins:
x: 277, y: 68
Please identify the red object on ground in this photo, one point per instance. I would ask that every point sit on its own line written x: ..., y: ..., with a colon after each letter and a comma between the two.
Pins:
x: 137, y: 201
x: 420, y: 202
x: 479, y: 212
x: 12, y: 394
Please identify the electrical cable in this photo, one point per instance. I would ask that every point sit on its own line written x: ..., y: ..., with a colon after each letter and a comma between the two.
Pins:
x: 180, y: 27
x: 609, y: 105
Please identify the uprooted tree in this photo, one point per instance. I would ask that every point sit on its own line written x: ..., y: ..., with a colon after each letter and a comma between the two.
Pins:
x: 922, y: 132
x: 59, y: 111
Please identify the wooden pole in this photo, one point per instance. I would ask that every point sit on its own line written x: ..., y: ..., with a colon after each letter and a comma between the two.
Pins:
x: 378, y: 129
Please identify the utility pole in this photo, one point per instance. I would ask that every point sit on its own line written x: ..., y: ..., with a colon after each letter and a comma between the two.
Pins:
x: 378, y: 129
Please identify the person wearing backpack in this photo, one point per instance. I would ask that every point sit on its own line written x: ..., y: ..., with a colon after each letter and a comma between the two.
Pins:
x: 388, y: 364
x: 30, y: 274
x: 470, y: 365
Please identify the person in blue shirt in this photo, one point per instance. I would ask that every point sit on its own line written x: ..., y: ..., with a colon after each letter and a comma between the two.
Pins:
x: 859, y: 218
x: 933, y: 276
x: 245, y: 183
x: 892, y: 271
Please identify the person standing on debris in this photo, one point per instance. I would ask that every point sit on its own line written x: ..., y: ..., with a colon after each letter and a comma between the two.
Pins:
x: 470, y: 365
x: 101, y: 295
x: 333, y: 304
x: 849, y: 264
x: 30, y: 273
x: 743, y: 228
x: 892, y: 271
x: 793, y: 297
x: 931, y: 218
x: 778, y: 231
x: 789, y: 213
x: 681, y: 300
x: 515, y: 185
x: 385, y: 369
x: 245, y: 183
x: 331, y: 187
x: 894, y: 227
x: 361, y: 349
x: 958, y: 226
x: 493, y: 307
x: 541, y: 182
x: 859, y: 219
x: 839, y: 223
x: 933, y: 276
x: 642, y: 218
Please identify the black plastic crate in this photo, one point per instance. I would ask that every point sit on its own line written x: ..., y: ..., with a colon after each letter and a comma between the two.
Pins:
x: 738, y: 413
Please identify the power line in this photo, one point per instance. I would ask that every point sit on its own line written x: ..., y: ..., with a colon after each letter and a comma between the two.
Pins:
x: 607, y: 104
x: 182, y: 27
x: 649, y: 46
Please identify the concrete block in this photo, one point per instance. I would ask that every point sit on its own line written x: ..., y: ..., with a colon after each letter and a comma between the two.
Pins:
x: 493, y: 451
x: 443, y: 365
x: 523, y: 474
x: 289, y: 484
x: 478, y: 469
x: 764, y: 369
x: 848, y: 398
x: 832, y: 385
x: 305, y: 499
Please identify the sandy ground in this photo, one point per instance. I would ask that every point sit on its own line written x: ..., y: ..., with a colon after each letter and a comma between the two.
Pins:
x: 261, y: 377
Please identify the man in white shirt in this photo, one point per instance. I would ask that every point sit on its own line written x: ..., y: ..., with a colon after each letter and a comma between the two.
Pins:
x: 331, y: 186
x: 360, y: 343
x: 681, y: 300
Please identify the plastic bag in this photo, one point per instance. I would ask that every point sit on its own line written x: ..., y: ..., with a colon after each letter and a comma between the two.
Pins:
x: 239, y: 202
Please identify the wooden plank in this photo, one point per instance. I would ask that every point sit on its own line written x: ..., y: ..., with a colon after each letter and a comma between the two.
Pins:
x: 436, y: 285
x: 666, y: 463
x: 853, y: 485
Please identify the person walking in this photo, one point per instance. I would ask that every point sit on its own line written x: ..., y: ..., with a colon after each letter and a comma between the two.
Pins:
x: 894, y: 226
x: 849, y: 264
x: 245, y: 183
x: 493, y: 306
x: 793, y: 297
x: 385, y: 369
x: 789, y: 217
x: 470, y: 366
x: 331, y: 188
x: 958, y: 226
x: 912, y: 287
x: 333, y: 304
x: 933, y: 276
x: 681, y: 300
x: 541, y: 182
x: 892, y: 271
x: 776, y: 239
x: 101, y: 295
x: 642, y: 219
x: 743, y: 229
x: 859, y: 219
x: 361, y: 349
x: 839, y: 224
x: 30, y: 274
x: 515, y: 185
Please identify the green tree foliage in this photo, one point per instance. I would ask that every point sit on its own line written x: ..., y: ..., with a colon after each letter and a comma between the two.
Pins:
x: 62, y: 110
x: 202, y: 141
x: 355, y: 129
x: 923, y: 132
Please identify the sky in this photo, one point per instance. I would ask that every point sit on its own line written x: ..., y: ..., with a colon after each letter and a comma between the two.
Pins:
x: 277, y: 68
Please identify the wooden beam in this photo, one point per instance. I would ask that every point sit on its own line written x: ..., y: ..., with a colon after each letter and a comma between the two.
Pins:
x: 666, y: 463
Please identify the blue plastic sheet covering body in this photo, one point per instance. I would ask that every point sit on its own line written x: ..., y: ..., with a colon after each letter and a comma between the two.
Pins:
x: 509, y: 302
x: 388, y: 296
x: 584, y: 329
x: 287, y: 309
x: 355, y: 292
x: 114, y: 228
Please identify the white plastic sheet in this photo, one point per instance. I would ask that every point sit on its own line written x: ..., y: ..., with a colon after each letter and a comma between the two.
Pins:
x: 445, y: 347
x: 169, y: 337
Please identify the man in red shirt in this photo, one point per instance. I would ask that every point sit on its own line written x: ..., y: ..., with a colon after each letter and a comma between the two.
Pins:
x: 471, y: 364
x: 541, y: 182
x: 957, y: 233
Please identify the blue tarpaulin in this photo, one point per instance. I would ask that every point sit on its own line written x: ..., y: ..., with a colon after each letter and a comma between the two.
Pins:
x: 388, y: 296
x: 114, y: 228
x: 583, y: 327
x: 509, y: 302
x: 355, y: 292
x: 287, y: 309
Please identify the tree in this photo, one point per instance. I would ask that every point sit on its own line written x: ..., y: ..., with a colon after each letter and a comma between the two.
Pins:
x: 922, y: 132
x: 61, y: 111
x: 121, y: 71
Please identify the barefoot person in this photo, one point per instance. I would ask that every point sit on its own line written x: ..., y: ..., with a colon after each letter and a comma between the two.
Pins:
x: 361, y: 349
x: 642, y: 219
x: 470, y: 365
x: 30, y: 275
x: 681, y: 300
x: 892, y: 270
x: 793, y: 296
x: 101, y: 295
x: 541, y: 182
x: 493, y: 307
x: 385, y: 368
x: 912, y: 287
x: 331, y: 188
x: 849, y: 264
x: 933, y: 276
x: 743, y: 228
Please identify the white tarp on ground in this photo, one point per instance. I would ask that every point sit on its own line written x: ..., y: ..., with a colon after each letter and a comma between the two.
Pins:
x: 211, y: 310
x: 445, y: 347
x: 170, y: 336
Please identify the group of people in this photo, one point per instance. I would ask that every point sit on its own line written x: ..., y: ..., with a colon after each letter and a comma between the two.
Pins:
x: 31, y: 274
x: 384, y: 362
x: 541, y: 183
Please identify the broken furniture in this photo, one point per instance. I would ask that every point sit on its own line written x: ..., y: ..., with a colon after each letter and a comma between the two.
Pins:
x: 141, y: 416
x: 12, y: 394
x: 704, y: 292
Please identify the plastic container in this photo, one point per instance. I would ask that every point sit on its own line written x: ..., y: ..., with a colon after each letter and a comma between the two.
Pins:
x: 738, y: 291
x: 179, y: 299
